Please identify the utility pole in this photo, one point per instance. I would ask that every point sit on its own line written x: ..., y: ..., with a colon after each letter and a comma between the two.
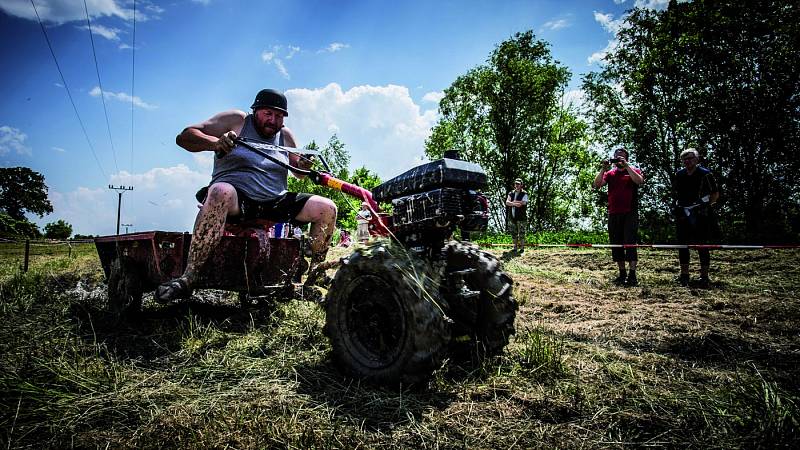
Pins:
x: 126, y: 225
x: 120, y: 190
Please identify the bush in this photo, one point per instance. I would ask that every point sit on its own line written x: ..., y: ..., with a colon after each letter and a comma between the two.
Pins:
x: 58, y: 230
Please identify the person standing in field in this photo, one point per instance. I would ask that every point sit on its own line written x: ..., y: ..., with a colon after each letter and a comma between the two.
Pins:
x: 363, y: 217
x: 695, y: 190
x: 623, y: 182
x: 516, y: 213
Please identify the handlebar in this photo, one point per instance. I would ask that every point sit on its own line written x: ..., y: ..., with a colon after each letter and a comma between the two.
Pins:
x: 318, y: 178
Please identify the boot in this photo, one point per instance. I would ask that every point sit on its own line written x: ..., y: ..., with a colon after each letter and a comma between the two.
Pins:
x: 631, y: 280
x: 316, y: 271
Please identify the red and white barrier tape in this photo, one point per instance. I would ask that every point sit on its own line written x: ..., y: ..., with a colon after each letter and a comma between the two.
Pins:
x: 659, y: 246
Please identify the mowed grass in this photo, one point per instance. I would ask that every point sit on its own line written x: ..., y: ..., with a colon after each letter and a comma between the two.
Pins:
x: 592, y: 365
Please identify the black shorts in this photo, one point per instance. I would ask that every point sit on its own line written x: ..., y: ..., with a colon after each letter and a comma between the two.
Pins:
x: 283, y: 208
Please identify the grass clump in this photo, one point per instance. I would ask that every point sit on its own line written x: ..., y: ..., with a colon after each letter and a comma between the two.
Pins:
x: 540, y: 352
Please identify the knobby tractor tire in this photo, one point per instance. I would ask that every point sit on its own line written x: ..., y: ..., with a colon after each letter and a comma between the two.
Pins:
x: 124, y: 288
x: 484, y: 323
x: 384, y: 317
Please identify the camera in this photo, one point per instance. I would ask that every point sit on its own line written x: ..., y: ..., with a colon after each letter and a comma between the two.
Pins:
x: 613, y: 160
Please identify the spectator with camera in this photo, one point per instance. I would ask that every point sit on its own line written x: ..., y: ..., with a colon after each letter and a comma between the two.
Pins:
x: 623, y: 182
x: 695, y: 191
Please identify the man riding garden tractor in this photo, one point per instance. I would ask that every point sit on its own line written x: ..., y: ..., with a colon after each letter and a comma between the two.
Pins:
x: 395, y: 309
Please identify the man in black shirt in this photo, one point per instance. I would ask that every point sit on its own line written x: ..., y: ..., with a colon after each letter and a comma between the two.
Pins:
x: 695, y: 191
x: 516, y: 212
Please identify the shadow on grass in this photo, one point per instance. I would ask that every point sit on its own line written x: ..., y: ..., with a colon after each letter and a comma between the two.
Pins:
x: 378, y: 408
x: 717, y: 347
x: 155, y: 333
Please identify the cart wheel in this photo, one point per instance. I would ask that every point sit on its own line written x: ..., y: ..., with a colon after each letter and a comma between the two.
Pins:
x: 385, y: 319
x: 124, y: 288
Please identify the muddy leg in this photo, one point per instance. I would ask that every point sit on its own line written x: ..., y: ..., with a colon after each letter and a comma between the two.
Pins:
x: 321, y: 212
x: 209, y: 225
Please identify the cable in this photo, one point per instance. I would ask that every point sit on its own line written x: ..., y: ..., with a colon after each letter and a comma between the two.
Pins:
x: 102, y: 94
x: 74, y: 108
x: 133, y: 76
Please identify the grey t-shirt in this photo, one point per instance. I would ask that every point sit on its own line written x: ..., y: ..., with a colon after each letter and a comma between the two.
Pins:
x: 257, y: 177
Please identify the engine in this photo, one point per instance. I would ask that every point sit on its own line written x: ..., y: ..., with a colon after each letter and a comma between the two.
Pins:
x: 433, y: 200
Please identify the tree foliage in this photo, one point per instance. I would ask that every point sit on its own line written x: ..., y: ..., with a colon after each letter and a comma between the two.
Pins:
x: 506, y: 115
x: 58, y: 230
x: 720, y: 76
x: 12, y: 228
x: 23, y: 190
x: 338, y: 159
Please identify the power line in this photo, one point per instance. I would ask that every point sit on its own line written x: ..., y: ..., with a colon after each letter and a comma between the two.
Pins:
x: 66, y: 87
x: 102, y: 95
x: 133, y: 76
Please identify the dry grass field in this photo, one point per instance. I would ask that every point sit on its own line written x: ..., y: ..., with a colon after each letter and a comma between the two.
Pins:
x: 592, y: 365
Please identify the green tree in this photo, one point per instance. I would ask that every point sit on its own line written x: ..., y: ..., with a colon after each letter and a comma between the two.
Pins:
x: 23, y: 190
x: 506, y: 115
x: 12, y: 228
x: 720, y: 76
x: 58, y: 230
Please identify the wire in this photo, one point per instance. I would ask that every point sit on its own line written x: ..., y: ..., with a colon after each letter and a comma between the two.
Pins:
x: 133, y: 76
x: 66, y: 87
x: 102, y: 94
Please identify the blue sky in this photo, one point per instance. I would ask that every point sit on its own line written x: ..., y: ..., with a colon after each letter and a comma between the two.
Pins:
x: 370, y: 71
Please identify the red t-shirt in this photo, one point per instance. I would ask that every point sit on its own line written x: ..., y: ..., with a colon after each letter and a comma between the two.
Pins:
x: 620, y: 190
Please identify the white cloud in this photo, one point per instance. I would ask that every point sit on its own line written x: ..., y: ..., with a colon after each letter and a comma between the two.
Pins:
x: 652, y: 4
x: 112, y: 34
x: 202, y: 2
x: 598, y: 57
x: 281, y: 68
x: 433, y: 97
x: 292, y: 51
x: 59, y: 149
x: 204, y: 160
x: 611, y: 25
x: 334, y: 47
x: 122, y: 97
x: 13, y: 140
x: 381, y: 126
x: 63, y: 11
x: 606, y: 20
x: 162, y: 199
x: 277, y: 56
x: 154, y: 10
x: 575, y: 98
x: 555, y: 24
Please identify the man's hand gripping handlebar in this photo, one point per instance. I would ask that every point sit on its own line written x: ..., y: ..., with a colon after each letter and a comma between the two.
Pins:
x: 317, y: 177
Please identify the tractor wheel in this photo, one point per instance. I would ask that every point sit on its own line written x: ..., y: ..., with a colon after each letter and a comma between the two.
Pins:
x: 124, y: 288
x: 384, y: 317
x: 480, y: 297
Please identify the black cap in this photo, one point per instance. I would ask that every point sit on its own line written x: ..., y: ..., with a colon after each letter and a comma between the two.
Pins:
x: 270, y: 98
